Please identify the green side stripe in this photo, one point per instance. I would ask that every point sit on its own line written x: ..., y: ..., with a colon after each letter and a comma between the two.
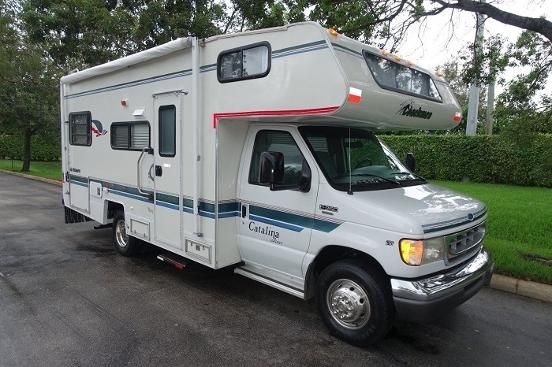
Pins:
x: 78, y: 179
x: 206, y: 207
x: 228, y: 207
x: 324, y: 226
x: 295, y: 219
x: 188, y: 203
x: 167, y: 198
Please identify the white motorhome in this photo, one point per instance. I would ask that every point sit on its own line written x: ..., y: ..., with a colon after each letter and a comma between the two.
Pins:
x: 256, y: 152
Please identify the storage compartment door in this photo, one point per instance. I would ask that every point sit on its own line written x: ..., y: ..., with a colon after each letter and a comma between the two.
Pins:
x: 79, y: 197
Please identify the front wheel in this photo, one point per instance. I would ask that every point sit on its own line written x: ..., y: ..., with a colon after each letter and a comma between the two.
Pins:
x: 354, y: 302
x: 123, y: 243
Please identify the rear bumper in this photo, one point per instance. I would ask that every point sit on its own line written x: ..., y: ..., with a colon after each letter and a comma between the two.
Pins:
x: 427, y: 299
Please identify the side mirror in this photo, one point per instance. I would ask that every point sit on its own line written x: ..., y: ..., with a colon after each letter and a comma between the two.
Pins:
x: 410, y: 162
x: 305, y: 181
x: 272, y: 168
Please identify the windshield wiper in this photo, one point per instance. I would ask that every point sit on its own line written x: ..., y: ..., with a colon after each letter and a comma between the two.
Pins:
x: 371, y: 175
x: 409, y: 173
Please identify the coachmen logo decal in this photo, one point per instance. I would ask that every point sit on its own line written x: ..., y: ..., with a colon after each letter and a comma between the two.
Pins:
x: 411, y: 109
x: 97, y: 128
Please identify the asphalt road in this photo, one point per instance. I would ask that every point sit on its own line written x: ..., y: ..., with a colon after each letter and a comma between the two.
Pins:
x: 67, y: 299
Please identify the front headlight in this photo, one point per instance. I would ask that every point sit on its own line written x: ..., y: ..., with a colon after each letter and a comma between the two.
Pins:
x: 418, y: 252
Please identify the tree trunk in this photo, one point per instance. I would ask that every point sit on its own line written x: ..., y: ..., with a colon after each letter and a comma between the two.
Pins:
x: 26, y: 150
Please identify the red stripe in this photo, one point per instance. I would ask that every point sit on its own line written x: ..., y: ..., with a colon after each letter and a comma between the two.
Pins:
x: 307, y: 111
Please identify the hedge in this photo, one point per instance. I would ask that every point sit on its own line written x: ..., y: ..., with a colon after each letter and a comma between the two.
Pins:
x: 517, y: 160
x: 43, y: 148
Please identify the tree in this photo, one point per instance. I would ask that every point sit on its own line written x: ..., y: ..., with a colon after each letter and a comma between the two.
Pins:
x: 523, y: 107
x: 83, y: 33
x: 390, y: 19
x: 28, y: 83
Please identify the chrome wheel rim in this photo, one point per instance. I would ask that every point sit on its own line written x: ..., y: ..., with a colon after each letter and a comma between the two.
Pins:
x: 120, y: 234
x: 348, y: 304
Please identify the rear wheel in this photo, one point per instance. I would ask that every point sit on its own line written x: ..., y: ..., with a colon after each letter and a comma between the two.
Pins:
x: 354, y: 302
x: 123, y: 243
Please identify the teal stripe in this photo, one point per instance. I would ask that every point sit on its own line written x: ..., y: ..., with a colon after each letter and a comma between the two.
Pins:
x: 78, y: 179
x: 206, y: 207
x: 324, y: 225
x: 167, y: 198
x: 294, y: 219
x: 297, y: 47
x: 228, y: 207
x: 130, y: 190
x: 188, y: 203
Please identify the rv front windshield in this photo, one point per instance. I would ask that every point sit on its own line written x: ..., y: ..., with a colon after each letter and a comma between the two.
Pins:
x: 353, y: 159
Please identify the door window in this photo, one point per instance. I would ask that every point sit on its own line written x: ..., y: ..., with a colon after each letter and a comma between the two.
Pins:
x: 167, y: 131
x: 277, y: 141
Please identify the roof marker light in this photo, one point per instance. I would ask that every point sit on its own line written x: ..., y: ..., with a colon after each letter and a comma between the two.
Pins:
x: 384, y: 52
x: 333, y: 32
x: 397, y: 57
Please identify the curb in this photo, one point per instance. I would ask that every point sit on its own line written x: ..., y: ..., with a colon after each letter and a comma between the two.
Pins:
x: 540, y: 291
x: 31, y: 177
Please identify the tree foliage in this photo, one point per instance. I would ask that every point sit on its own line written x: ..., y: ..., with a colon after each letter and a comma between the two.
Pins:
x: 40, y: 38
x: 28, y: 83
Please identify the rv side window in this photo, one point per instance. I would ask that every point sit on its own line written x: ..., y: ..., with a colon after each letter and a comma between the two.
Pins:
x: 277, y: 141
x: 401, y: 78
x: 130, y: 135
x: 167, y: 131
x: 242, y: 63
x: 80, y: 128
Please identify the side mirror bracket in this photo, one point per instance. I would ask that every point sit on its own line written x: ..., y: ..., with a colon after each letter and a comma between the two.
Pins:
x: 410, y: 162
x: 271, y: 169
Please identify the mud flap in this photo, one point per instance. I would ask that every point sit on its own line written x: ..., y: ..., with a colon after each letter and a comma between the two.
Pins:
x: 72, y: 216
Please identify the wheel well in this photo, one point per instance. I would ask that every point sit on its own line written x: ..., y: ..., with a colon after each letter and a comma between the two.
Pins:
x: 112, y: 208
x: 331, y: 254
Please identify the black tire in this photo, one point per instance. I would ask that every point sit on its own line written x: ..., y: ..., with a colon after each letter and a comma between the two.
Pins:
x: 337, y: 287
x: 125, y: 245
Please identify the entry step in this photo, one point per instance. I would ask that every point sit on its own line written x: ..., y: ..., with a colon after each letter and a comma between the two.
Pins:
x: 174, y: 260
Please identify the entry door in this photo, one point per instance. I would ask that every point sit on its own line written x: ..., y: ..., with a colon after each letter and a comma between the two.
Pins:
x: 166, y: 170
x: 275, y: 226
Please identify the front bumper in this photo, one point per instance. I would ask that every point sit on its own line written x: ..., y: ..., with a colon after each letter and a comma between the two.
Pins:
x: 427, y: 299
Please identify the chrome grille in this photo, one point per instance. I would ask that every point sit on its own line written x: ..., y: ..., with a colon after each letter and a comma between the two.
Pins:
x: 462, y: 242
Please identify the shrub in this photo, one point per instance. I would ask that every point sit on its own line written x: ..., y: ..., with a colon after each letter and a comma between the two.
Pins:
x: 523, y: 160
x: 43, y: 148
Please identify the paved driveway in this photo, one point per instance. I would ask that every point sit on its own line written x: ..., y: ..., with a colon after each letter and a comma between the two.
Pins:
x: 66, y: 299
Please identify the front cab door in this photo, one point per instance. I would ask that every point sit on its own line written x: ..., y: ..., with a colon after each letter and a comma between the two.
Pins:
x: 276, y: 223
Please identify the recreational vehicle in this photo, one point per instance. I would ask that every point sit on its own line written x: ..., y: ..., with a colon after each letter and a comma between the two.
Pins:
x: 256, y: 152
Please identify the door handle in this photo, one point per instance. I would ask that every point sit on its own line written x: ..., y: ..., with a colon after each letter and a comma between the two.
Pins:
x: 138, y: 170
x: 158, y: 171
x: 243, y: 210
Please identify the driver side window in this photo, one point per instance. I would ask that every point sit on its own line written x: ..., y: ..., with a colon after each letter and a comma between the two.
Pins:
x: 277, y: 141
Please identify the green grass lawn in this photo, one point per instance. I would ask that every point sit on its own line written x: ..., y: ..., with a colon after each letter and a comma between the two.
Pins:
x: 50, y: 170
x: 519, y: 224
